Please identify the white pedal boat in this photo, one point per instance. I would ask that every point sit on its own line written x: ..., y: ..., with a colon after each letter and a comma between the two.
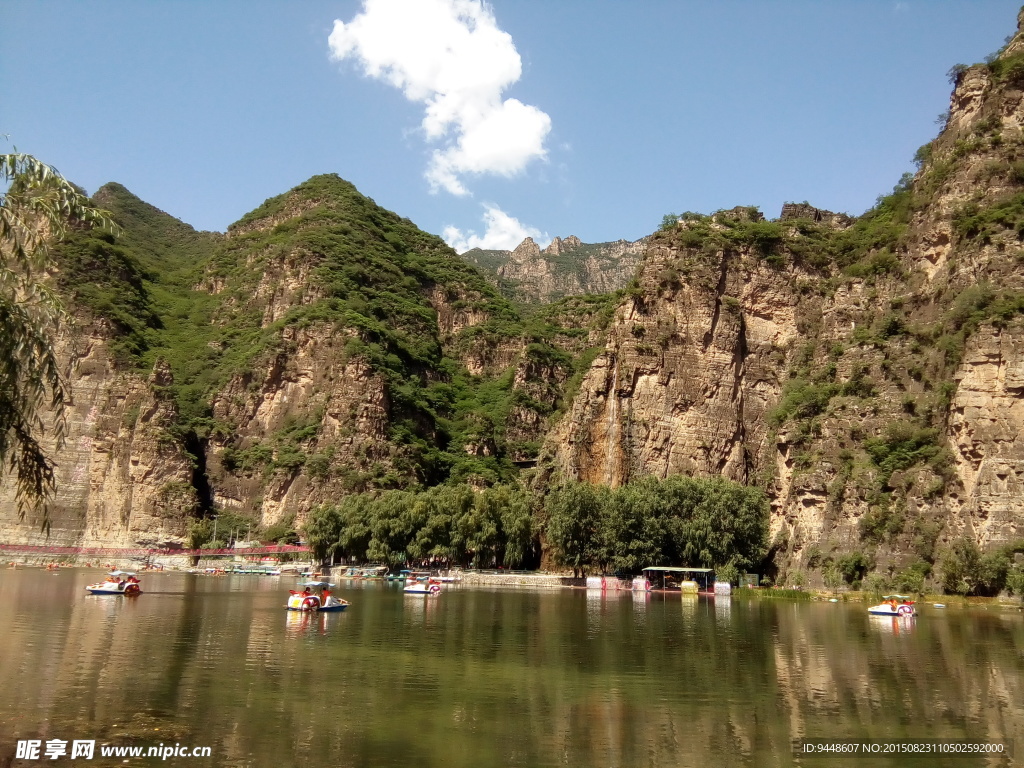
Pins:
x: 422, y: 583
x: 117, y: 583
x: 899, y: 606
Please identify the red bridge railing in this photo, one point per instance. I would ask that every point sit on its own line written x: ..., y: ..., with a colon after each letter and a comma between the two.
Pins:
x: 43, y: 549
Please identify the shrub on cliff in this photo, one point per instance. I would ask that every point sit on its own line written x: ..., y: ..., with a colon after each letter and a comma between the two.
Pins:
x: 903, y: 445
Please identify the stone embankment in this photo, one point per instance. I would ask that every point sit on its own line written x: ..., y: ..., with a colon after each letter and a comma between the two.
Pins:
x: 519, y: 579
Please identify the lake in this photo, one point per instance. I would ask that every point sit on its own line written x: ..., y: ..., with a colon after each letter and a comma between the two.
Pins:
x: 477, y: 678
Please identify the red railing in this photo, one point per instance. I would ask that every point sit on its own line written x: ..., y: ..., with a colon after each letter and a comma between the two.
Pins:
x: 44, y: 549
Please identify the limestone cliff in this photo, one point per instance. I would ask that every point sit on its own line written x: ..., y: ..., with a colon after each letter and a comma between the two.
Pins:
x: 323, y: 346
x: 866, y: 372
x: 567, y: 267
x: 123, y: 479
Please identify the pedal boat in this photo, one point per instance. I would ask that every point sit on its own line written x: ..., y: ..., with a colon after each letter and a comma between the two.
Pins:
x: 311, y: 602
x: 422, y: 583
x: 899, y: 606
x: 117, y: 583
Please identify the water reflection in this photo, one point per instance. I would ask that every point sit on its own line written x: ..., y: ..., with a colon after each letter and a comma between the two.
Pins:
x: 723, y: 610
x: 492, y: 678
x: 641, y: 601
x: 689, y: 602
x: 893, y: 625
x: 298, y: 623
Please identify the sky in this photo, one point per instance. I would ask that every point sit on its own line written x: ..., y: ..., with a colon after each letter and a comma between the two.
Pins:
x: 485, y: 123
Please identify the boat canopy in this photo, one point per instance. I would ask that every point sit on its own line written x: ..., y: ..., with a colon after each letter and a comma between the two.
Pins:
x: 895, y: 597
x: 673, y: 569
x: 316, y: 584
x: 121, y: 573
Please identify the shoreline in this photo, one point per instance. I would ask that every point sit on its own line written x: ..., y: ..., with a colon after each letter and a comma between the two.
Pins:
x: 513, y: 580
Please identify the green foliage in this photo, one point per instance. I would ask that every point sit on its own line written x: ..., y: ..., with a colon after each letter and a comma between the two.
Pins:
x: 210, y: 533
x: 108, y: 279
x: 832, y: 577
x: 868, y: 246
x: 1008, y: 70
x: 1015, y: 581
x: 854, y: 567
x: 765, y: 236
x: 981, y: 303
x: 200, y: 533
x: 982, y: 224
x: 923, y: 154
x: 728, y: 573
x: 955, y: 73
x: 912, y: 578
x: 966, y: 571
x: 575, y: 518
x: 282, y: 532
x: 649, y: 522
x: 374, y: 277
x: 903, y: 445
x: 802, y: 400
x: 874, y: 264
x: 38, y: 207
x: 669, y: 221
x: 883, y: 520
x: 451, y: 524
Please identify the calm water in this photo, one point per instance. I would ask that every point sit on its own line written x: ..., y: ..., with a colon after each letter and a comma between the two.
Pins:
x: 481, y: 678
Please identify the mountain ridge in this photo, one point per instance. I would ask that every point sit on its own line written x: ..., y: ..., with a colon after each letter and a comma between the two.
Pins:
x: 566, y: 267
x: 866, y: 373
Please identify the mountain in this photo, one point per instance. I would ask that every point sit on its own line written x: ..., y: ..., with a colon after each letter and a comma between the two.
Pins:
x: 565, y: 268
x: 322, y: 346
x: 867, y: 373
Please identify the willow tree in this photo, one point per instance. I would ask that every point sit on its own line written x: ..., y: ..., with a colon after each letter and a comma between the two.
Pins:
x: 37, y: 209
x: 576, y: 520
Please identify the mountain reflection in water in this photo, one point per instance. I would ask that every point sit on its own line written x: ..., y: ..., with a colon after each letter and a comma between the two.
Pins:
x: 481, y: 678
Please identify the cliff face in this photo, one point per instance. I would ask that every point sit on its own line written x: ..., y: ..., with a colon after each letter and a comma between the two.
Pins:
x: 867, y: 373
x: 566, y: 267
x: 123, y: 480
x: 322, y: 347
x: 690, y: 370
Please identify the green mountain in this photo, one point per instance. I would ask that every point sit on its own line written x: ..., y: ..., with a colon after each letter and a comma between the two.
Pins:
x: 866, y: 375
x: 440, y: 341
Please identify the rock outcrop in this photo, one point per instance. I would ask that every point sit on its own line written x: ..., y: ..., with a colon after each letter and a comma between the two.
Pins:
x: 123, y: 480
x: 567, y: 267
x: 880, y: 406
x: 867, y: 373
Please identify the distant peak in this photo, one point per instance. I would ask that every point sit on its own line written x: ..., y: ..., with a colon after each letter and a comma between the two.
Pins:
x: 558, y: 245
x: 113, y: 189
x: 805, y: 210
x: 526, y: 249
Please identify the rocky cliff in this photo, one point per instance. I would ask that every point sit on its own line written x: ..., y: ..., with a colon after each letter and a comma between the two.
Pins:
x: 566, y: 267
x: 323, y: 346
x: 867, y: 372
x: 123, y: 479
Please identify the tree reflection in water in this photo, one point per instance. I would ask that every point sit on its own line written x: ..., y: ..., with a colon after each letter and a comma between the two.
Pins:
x: 494, y: 678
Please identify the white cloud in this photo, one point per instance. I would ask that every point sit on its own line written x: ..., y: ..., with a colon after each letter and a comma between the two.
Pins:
x: 503, y: 232
x: 450, y: 55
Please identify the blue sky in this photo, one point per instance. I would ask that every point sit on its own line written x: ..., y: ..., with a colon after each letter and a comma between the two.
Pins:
x: 485, y: 123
